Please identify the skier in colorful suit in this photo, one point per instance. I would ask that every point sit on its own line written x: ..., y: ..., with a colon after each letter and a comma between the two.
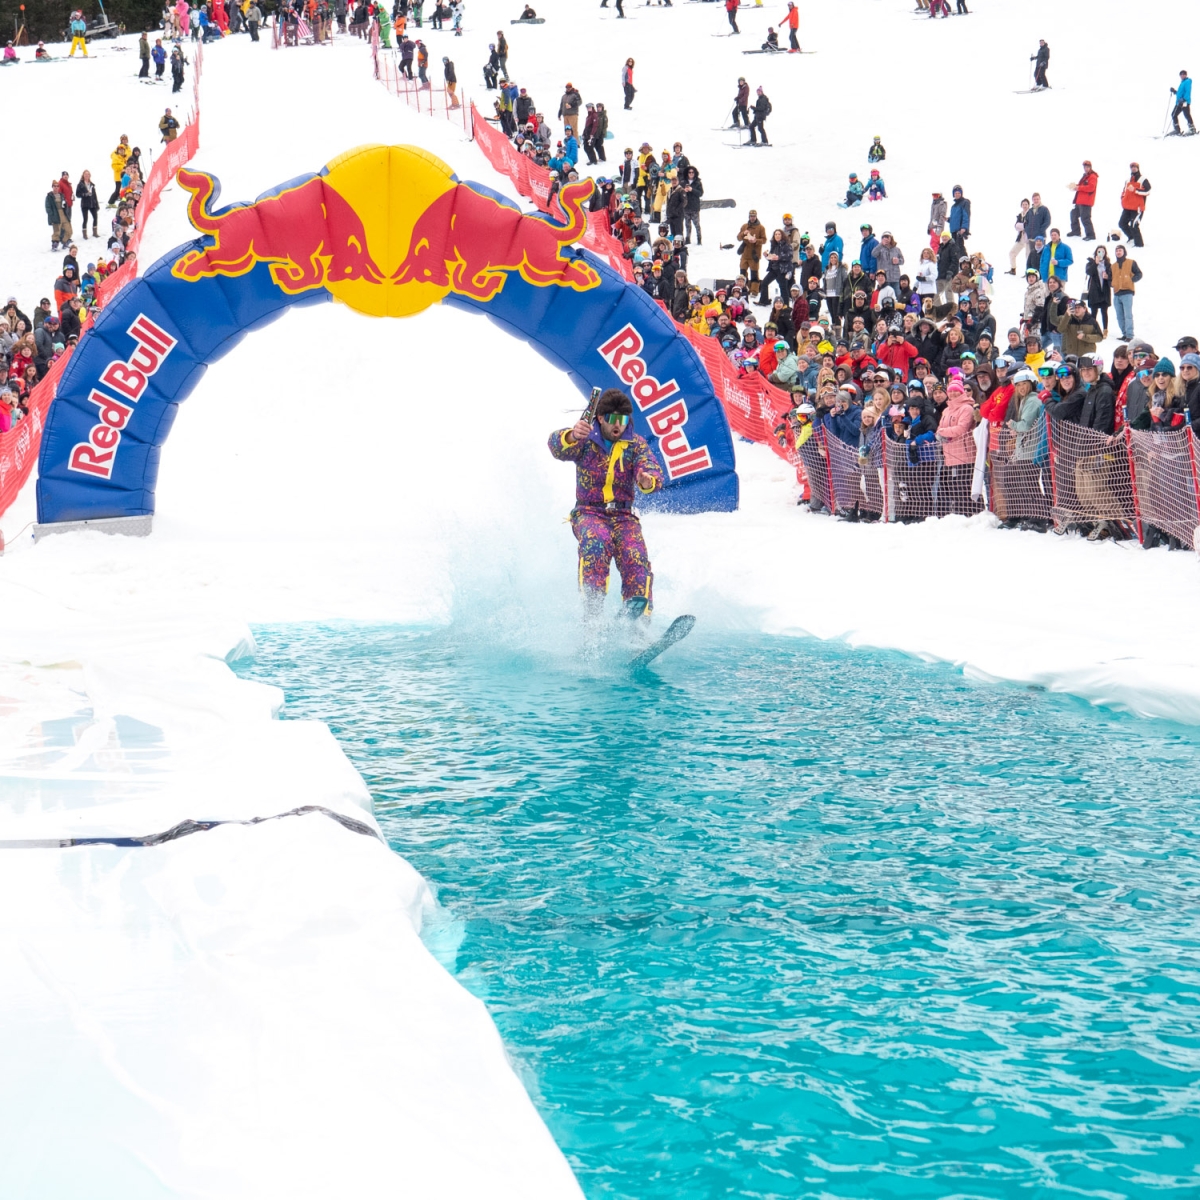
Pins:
x: 613, y: 465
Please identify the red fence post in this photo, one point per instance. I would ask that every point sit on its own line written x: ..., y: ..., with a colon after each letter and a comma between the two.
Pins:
x: 1137, y: 508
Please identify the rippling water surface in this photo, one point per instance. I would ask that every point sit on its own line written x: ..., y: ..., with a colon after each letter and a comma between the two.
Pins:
x: 788, y: 919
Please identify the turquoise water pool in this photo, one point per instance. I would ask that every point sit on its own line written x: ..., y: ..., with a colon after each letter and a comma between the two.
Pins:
x: 789, y: 919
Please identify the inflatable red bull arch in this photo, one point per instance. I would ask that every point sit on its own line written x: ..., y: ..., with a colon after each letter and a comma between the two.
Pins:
x: 390, y: 231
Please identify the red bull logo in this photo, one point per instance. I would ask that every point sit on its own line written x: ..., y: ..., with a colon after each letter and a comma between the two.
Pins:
x: 309, y: 234
x: 469, y: 242
x: 336, y: 230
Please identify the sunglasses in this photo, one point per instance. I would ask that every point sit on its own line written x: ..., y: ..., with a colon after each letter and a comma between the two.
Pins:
x: 620, y: 420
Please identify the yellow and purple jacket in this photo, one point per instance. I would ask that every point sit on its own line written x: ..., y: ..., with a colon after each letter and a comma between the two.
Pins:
x: 606, y: 473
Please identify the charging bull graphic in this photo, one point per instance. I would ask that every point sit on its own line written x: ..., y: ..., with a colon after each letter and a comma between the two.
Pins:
x: 388, y: 231
x: 308, y: 233
x: 469, y: 242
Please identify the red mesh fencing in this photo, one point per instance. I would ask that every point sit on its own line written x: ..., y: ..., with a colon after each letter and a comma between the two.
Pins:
x: 1019, y: 473
x: 931, y: 479
x: 1090, y: 475
x: 858, y: 474
x: 1165, y: 481
x: 814, y: 457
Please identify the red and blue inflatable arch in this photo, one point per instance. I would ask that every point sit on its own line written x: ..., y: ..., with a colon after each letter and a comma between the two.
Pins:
x: 390, y: 231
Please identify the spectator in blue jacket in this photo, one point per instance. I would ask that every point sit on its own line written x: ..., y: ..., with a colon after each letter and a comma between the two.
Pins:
x: 1056, y: 258
x: 960, y: 214
x: 844, y: 421
x: 831, y: 245
x: 571, y: 147
x: 866, y: 255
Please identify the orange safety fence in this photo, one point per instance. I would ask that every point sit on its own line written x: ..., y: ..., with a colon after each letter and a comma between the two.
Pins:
x: 174, y: 156
x: 536, y: 183
x: 424, y: 97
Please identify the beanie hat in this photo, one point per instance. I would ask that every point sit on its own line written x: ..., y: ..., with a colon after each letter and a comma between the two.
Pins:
x: 954, y: 388
x: 1164, y: 366
x: 1190, y: 360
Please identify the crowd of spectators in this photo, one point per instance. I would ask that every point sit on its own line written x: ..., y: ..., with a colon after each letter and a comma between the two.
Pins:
x: 29, y: 346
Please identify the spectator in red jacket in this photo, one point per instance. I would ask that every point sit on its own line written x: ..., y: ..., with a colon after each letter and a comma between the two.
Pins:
x: 1085, y: 197
x: 896, y: 353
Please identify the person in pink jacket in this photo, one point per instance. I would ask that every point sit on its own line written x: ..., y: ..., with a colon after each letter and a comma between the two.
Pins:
x: 954, y: 429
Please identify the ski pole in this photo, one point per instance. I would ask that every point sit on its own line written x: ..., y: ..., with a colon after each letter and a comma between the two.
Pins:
x: 1167, y: 118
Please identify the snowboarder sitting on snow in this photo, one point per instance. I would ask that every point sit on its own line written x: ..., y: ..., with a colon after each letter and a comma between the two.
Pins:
x: 613, y: 466
x: 772, y: 42
x: 528, y: 14
x: 854, y: 191
x: 875, y: 189
x: 876, y: 153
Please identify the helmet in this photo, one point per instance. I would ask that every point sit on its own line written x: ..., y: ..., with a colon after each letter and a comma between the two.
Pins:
x: 874, y: 172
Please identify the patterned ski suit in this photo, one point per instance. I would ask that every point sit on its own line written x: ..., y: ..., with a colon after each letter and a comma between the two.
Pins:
x: 603, y: 520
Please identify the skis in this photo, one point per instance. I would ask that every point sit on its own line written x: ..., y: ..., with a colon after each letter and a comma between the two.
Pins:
x: 1175, y: 133
x: 754, y: 145
x: 676, y: 632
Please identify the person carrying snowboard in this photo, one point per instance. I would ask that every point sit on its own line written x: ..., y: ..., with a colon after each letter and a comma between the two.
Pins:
x: 793, y: 22
x: 731, y: 7
x: 1042, y: 59
x: 613, y: 467
x: 1183, y: 102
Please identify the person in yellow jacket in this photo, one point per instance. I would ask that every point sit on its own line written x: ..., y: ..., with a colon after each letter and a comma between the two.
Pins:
x: 645, y: 159
x: 119, y: 157
x: 663, y: 191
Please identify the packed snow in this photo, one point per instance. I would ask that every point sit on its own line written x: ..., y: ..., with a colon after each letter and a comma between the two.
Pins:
x: 249, y: 1011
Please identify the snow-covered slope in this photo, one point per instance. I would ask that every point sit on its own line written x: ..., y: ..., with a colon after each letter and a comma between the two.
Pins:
x: 249, y: 1011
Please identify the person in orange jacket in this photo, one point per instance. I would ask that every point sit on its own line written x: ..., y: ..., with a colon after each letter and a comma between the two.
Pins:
x: 1133, y: 204
x: 793, y: 23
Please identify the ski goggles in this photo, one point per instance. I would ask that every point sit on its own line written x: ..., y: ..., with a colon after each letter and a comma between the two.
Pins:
x: 620, y: 420
x: 1061, y: 372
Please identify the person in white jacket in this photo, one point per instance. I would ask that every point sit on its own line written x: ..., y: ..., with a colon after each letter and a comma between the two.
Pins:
x: 926, y: 281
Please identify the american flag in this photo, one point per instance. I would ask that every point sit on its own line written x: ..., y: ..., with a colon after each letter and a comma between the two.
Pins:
x: 302, y: 28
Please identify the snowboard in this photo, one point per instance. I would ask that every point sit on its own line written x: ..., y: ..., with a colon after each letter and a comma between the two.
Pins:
x: 781, y: 53
x: 529, y: 21
x: 718, y: 204
x: 676, y: 632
